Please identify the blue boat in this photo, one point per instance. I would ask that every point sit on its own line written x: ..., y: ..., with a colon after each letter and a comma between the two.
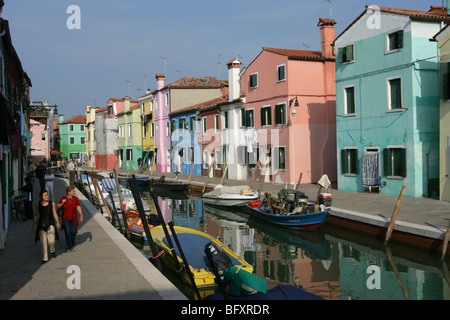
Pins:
x: 304, y: 221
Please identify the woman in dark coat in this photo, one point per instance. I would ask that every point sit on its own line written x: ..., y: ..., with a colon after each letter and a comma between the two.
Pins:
x: 47, y: 225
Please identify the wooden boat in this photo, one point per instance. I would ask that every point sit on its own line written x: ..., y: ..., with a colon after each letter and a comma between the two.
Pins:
x: 230, y: 195
x: 137, y: 234
x: 193, y: 243
x: 290, y: 209
x: 170, y: 186
x: 304, y: 221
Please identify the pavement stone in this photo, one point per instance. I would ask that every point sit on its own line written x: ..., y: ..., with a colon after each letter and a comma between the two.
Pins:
x: 110, y: 267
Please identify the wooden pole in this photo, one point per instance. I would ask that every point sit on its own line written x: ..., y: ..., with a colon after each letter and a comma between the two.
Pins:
x: 261, y: 186
x: 192, y: 170
x: 119, y: 193
x: 103, y: 199
x: 394, y: 215
x: 224, y: 173
x: 445, y: 242
x: 207, y: 176
x: 299, y: 179
x: 254, y: 173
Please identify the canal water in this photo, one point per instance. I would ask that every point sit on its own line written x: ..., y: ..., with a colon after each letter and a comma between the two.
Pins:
x: 333, y: 263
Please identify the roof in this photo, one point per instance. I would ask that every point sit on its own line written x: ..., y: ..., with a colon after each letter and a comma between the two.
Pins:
x: 213, y: 103
x: 198, y: 82
x: 76, y: 119
x: 295, y: 54
x: 435, y: 13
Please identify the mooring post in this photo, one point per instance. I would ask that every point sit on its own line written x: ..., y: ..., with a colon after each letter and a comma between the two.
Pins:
x: 394, y: 215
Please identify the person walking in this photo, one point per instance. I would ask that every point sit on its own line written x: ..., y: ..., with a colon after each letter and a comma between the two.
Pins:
x: 40, y: 174
x: 70, y: 220
x: 71, y: 167
x: 47, y: 225
x: 49, y: 177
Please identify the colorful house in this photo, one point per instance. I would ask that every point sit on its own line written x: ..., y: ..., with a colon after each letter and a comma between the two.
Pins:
x: 288, y: 123
x: 130, y: 135
x: 73, y: 137
x: 106, y: 137
x: 443, y: 38
x: 90, y: 135
x: 186, y: 148
x: 387, y: 91
x: 180, y: 94
x: 40, y: 141
x: 147, y: 105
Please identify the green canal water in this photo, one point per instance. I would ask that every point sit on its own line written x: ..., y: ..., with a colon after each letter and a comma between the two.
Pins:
x: 333, y: 263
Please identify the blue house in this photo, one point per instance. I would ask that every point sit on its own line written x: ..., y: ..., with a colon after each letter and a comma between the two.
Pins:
x: 185, y: 148
x: 387, y: 101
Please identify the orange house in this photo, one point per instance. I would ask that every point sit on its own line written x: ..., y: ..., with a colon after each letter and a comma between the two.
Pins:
x: 290, y: 111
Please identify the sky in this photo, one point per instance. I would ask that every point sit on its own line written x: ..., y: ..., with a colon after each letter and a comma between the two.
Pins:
x: 110, y: 48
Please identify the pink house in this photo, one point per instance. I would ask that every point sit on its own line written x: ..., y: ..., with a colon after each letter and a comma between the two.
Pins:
x: 290, y: 111
x: 40, y: 141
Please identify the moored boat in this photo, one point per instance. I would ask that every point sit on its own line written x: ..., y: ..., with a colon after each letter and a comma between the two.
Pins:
x: 230, y: 195
x: 193, y: 243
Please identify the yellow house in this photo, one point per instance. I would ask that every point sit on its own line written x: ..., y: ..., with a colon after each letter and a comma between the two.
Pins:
x: 443, y: 38
x: 147, y: 104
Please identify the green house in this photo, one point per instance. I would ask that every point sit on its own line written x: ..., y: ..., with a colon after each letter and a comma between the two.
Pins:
x: 72, y: 134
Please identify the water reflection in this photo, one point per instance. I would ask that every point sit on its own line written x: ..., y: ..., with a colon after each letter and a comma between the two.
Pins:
x: 333, y: 263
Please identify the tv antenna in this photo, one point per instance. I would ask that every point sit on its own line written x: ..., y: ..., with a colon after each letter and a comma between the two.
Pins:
x: 329, y: 1
x: 218, y: 62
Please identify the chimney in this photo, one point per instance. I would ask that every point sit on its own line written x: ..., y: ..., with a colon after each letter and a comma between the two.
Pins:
x: 160, y: 81
x: 234, y: 67
x: 126, y: 104
x: 327, y: 36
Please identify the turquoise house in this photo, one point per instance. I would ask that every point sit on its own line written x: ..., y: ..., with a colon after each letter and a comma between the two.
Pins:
x: 387, y: 102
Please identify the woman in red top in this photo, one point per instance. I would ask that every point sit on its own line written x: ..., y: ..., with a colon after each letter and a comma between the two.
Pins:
x: 69, y: 221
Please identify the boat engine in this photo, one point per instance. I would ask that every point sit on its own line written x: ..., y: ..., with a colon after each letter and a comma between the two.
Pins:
x: 218, y: 259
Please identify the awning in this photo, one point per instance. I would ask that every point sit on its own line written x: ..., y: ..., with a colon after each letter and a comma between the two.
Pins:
x: 55, y: 152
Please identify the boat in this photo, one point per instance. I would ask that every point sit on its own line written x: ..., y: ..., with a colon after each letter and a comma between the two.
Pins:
x: 193, y: 243
x: 291, y: 209
x: 230, y: 195
x: 162, y: 185
x: 137, y: 234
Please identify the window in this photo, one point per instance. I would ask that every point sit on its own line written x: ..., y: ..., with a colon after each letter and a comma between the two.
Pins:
x: 216, y: 123
x: 81, y: 127
x: 167, y: 128
x: 394, y: 159
x: 281, y: 72
x: 182, y: 123
x: 346, y: 54
x: 71, y: 127
x: 218, y: 159
x: 129, y: 154
x: 130, y: 131
x: 83, y: 140
x: 253, y: 158
x: 144, y: 131
x: 72, y: 140
x: 241, y: 155
x: 191, y: 155
x: 280, y: 113
x: 121, y: 133
x: 395, y: 94
x: 349, y: 100
x: 206, y: 159
x: 43, y: 136
x: 204, y: 125
x: 266, y: 116
x: 394, y: 41
x: 173, y: 125
x: 280, y: 158
x: 254, y: 80
x: 349, y: 161
x: 192, y: 123
x: 152, y: 130
x: 167, y: 99
x: 249, y: 118
x: 445, y: 80
x: 242, y: 117
x: 225, y: 120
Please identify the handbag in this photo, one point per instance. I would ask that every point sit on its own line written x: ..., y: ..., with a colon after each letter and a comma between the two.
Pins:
x: 60, y: 211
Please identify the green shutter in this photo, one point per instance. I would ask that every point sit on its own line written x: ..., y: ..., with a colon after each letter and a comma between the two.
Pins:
x: 263, y: 117
x: 354, y: 161
x: 344, y: 161
x: 404, y: 162
x: 243, y: 117
x: 387, y: 162
x: 341, y: 55
x: 399, y: 43
x: 349, y: 53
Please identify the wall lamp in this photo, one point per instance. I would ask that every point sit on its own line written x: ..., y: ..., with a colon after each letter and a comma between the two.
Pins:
x: 296, y: 104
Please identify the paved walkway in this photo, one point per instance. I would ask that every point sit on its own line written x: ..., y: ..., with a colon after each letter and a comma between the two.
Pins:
x: 110, y: 267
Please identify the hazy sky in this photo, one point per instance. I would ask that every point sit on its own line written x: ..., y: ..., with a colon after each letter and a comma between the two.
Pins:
x: 120, y: 41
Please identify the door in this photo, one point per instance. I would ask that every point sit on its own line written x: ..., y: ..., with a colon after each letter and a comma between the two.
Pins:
x: 371, y: 168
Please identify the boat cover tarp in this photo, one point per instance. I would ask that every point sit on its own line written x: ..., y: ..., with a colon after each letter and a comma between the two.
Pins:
x: 193, y: 248
x: 227, y: 190
x: 108, y: 184
x: 280, y: 292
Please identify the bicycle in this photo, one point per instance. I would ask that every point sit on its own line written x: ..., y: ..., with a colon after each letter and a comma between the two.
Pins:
x: 18, y: 201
